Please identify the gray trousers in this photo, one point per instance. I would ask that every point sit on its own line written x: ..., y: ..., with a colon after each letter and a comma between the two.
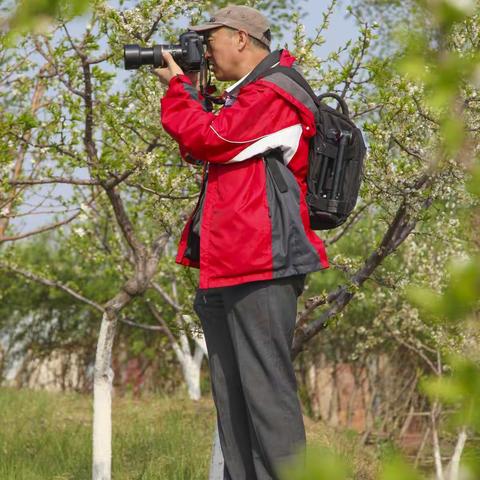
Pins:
x: 249, y: 332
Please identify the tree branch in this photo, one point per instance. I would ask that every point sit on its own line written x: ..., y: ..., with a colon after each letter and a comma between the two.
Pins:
x: 161, y: 195
x: 124, y: 222
x: 163, y: 323
x: 51, y: 283
x: 155, y: 328
x: 153, y: 28
x: 167, y: 297
x: 44, y: 181
x: 46, y: 228
x: 400, y: 228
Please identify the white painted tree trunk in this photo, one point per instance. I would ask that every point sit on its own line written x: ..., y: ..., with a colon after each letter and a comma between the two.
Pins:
x: 216, y: 462
x: 454, y: 466
x: 191, y: 363
x: 102, y: 402
x: 436, y: 444
x: 191, y: 374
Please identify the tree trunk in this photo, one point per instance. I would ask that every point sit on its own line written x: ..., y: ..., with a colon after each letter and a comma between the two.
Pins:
x: 454, y: 467
x: 191, y: 374
x: 102, y: 401
x: 216, y: 462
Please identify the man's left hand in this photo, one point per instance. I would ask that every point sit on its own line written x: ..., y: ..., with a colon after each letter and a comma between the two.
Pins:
x: 171, y: 70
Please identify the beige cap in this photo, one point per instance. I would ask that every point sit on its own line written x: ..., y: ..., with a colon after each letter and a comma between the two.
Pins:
x: 239, y: 17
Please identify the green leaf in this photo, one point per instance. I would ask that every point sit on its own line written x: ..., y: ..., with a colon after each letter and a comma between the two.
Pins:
x: 398, y: 469
x: 473, y: 184
x: 318, y: 464
x: 461, y: 388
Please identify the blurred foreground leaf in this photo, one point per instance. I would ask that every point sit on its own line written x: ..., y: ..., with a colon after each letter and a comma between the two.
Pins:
x: 461, y: 295
x: 397, y: 469
x: 460, y: 389
x: 36, y: 15
x: 317, y: 465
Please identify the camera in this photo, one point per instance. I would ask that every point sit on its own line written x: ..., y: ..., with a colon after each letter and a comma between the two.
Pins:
x: 188, y: 53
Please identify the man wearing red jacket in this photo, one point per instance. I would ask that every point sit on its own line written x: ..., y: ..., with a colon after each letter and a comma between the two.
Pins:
x: 249, y: 234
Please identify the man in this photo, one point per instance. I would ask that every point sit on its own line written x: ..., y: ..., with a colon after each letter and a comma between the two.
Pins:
x: 249, y: 235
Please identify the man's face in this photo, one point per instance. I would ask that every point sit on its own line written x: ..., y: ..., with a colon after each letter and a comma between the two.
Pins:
x: 222, y: 53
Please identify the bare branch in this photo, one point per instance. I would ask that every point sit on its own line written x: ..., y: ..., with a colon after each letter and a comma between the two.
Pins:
x: 162, y: 195
x: 154, y: 328
x: 88, y: 139
x: 43, y: 181
x: 33, y: 211
x: 368, y: 110
x: 79, y: 52
x: 100, y: 59
x: 124, y: 222
x: 153, y: 28
x: 167, y: 297
x: 355, y: 68
x: 59, y: 148
x: 163, y: 323
x: 55, y: 71
x: 416, y: 350
x: 47, y: 228
x: 407, y: 150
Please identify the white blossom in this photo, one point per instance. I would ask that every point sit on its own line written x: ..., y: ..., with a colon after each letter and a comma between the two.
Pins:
x: 79, y: 231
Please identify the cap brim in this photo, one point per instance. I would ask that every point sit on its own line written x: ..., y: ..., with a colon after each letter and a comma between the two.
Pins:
x: 205, y: 26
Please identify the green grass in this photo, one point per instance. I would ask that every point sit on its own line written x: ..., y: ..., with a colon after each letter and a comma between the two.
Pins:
x: 47, y: 436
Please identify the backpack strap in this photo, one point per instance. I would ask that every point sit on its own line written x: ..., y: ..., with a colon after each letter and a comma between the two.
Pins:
x: 260, y: 70
x: 299, y: 79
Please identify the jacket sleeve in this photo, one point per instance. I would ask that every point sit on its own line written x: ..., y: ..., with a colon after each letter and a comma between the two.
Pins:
x: 258, y: 120
x: 197, y: 96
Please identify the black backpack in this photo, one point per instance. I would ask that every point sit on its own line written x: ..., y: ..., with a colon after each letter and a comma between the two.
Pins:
x: 336, y: 157
x: 336, y: 154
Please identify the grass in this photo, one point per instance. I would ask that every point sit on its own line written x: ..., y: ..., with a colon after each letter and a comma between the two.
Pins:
x: 47, y: 436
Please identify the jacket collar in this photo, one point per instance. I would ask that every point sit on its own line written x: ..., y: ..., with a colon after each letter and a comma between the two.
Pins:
x: 268, y: 62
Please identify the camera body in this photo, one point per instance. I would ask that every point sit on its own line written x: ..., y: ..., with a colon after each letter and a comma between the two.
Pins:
x: 188, y: 53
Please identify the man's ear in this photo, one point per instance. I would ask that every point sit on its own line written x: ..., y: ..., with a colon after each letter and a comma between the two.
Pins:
x: 242, y: 39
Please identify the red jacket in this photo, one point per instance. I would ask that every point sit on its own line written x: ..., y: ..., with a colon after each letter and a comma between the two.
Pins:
x: 249, y: 229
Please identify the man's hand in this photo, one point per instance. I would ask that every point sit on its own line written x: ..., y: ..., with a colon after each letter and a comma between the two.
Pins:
x: 170, y: 71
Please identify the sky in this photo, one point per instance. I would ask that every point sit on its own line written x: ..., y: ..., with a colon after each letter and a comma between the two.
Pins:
x: 342, y: 28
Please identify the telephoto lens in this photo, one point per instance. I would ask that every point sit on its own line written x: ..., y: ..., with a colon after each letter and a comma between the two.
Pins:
x: 135, y: 56
x: 188, y: 53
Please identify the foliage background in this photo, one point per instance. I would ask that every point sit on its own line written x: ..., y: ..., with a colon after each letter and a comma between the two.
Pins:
x: 411, y: 78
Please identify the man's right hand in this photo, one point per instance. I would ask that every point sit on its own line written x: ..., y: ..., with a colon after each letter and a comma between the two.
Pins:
x: 171, y: 70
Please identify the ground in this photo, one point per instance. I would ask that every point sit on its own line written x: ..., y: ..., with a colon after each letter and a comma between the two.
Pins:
x: 47, y: 436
